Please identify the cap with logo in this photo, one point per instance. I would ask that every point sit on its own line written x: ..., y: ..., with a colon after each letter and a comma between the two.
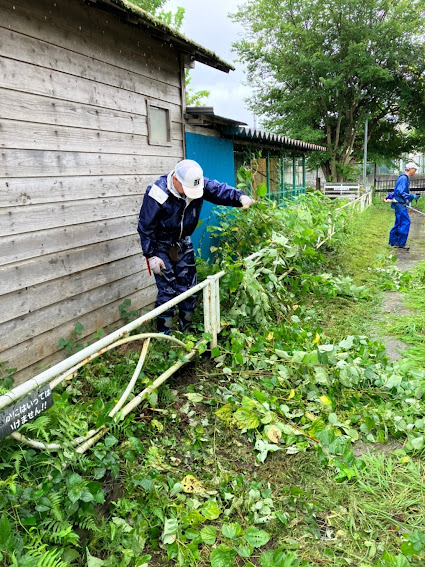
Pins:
x: 191, y: 176
x: 411, y: 165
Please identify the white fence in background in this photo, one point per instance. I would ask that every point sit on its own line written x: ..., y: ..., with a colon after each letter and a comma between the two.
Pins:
x: 342, y: 190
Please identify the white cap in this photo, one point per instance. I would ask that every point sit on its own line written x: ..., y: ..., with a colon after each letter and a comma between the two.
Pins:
x: 191, y: 176
x: 411, y: 165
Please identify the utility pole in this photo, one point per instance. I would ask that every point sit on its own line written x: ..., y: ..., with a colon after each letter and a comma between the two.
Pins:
x: 365, y: 154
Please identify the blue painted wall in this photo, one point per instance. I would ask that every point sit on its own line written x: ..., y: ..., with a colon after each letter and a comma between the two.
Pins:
x: 215, y: 156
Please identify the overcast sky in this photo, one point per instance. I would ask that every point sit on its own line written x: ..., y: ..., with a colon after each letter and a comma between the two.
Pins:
x: 206, y: 22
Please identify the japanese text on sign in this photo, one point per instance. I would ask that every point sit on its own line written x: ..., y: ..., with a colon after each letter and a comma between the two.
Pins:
x: 25, y: 410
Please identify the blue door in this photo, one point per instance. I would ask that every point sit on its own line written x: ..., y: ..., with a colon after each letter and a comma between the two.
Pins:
x: 215, y: 156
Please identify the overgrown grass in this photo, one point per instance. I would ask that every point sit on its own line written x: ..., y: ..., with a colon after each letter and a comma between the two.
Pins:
x: 336, y: 524
x: 410, y: 327
x: 362, y: 250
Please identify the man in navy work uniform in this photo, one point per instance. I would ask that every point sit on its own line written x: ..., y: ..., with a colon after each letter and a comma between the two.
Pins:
x: 168, y: 216
x: 403, y: 197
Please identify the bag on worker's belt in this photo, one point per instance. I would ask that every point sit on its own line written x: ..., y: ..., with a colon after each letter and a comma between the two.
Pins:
x: 173, y: 252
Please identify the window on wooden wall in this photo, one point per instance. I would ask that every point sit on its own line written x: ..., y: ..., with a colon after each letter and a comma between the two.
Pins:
x: 159, y: 126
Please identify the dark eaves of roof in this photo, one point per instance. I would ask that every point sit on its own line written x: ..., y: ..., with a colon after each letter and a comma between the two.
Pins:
x: 155, y: 27
x: 204, y: 116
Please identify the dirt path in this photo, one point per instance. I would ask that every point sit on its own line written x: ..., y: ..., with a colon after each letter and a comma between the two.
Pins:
x: 394, y: 300
x: 407, y: 260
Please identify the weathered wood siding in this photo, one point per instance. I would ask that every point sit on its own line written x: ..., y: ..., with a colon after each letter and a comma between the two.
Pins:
x: 74, y: 164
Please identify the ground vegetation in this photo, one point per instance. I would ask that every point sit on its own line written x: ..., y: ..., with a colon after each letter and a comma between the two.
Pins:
x: 293, y: 443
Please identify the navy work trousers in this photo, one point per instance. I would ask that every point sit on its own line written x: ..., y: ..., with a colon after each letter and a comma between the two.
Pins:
x: 400, y: 230
x: 176, y: 278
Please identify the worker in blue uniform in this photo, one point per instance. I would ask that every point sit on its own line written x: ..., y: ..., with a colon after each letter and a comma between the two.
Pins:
x: 402, y: 199
x: 168, y: 216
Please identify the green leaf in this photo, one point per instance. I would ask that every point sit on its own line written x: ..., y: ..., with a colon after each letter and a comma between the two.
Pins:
x: 261, y: 190
x: 347, y: 343
x: 171, y: 527
x: 125, y: 527
x: 93, y: 561
x: 211, y: 510
x: 75, y: 479
x: 245, y: 549
x: 209, y: 534
x: 256, y: 537
x: 417, y: 443
x: 279, y: 558
x: 231, y: 530
x: 193, y: 397
x: 238, y: 358
x: 325, y: 348
x: 222, y: 556
x: 110, y: 441
x: 246, y: 419
x: 4, y: 530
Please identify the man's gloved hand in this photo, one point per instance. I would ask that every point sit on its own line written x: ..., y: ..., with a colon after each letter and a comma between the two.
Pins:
x: 417, y: 197
x: 157, y: 265
x: 246, y: 202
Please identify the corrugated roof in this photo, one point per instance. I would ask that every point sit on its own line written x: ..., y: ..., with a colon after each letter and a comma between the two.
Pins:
x: 251, y: 134
x: 155, y: 27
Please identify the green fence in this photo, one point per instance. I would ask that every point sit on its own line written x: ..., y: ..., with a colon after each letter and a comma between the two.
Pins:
x: 282, y: 172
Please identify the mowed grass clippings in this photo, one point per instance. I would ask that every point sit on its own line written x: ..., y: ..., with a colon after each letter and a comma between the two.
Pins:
x: 331, y: 523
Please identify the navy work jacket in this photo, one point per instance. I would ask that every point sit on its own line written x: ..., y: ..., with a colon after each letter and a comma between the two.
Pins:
x: 165, y: 219
x: 401, y: 191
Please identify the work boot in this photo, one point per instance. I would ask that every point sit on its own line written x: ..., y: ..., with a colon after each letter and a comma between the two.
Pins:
x: 404, y: 247
x: 164, y: 324
x: 185, y: 320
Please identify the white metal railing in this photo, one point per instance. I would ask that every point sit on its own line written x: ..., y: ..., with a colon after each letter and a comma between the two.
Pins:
x: 68, y: 367
x: 362, y: 202
x: 211, y: 322
x: 59, y: 372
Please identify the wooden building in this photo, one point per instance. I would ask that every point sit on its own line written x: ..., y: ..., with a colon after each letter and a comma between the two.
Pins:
x: 91, y: 111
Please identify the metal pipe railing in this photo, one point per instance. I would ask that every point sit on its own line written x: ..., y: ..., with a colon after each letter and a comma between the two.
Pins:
x: 71, y: 365
x: 98, y: 346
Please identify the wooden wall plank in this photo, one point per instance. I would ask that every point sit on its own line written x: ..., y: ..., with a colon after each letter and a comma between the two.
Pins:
x: 24, y: 77
x: 33, y: 136
x: 17, y: 105
x: 17, y: 220
x: 53, y: 266
x: 20, y: 47
x: 35, y: 355
x: 37, y: 163
x: 19, y: 192
x: 32, y: 298
x: 15, y: 248
x: 35, y: 323
x: 74, y: 82
x: 89, y: 31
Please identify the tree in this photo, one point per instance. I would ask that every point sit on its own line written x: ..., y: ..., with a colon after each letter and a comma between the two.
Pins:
x: 155, y: 7
x: 175, y: 20
x: 194, y: 98
x: 321, y: 67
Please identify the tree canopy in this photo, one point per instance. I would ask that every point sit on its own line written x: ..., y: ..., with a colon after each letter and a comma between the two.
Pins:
x: 320, y: 68
x: 156, y: 8
x: 174, y: 19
